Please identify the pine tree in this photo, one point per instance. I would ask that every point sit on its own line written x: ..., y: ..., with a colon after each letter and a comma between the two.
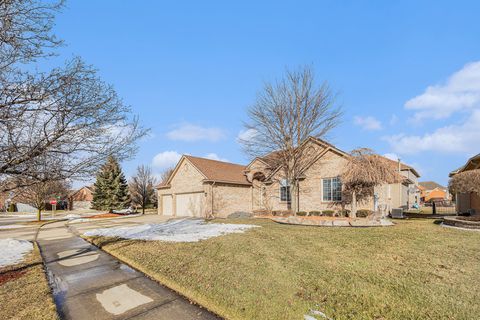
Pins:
x: 111, y: 188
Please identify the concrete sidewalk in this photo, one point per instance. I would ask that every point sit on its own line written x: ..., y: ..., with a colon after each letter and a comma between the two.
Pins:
x: 90, y: 284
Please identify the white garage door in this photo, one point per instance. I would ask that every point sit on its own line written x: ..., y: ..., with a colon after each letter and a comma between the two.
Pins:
x: 167, y: 205
x: 190, y: 204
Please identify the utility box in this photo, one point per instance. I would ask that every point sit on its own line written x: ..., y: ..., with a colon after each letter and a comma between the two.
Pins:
x: 397, y: 213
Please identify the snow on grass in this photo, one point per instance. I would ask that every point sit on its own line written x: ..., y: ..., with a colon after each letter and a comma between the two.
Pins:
x: 72, y: 216
x: 172, y: 231
x: 12, y: 251
x: 13, y: 226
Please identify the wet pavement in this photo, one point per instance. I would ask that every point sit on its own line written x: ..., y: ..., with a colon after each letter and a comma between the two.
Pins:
x: 90, y: 284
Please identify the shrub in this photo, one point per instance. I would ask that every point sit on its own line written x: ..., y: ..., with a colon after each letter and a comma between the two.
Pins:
x: 328, y: 213
x: 281, y: 213
x: 12, y: 207
x: 315, y: 213
x: 363, y: 213
x: 343, y: 213
x: 301, y: 213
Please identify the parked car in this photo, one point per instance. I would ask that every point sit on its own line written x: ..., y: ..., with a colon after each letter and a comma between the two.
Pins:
x: 129, y: 210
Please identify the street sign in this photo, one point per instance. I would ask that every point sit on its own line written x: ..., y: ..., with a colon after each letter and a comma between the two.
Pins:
x: 52, y: 202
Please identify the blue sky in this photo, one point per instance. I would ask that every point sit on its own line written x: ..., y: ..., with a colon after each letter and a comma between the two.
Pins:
x: 407, y: 72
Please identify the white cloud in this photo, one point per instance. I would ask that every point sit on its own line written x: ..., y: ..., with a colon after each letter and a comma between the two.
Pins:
x: 190, y: 132
x: 214, y: 156
x: 246, y: 135
x: 460, y: 92
x: 463, y: 137
x: 166, y: 159
x: 393, y: 120
x: 368, y: 123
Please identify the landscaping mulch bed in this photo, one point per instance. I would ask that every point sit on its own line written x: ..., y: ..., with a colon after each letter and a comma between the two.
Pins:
x: 105, y: 215
x: 12, y: 275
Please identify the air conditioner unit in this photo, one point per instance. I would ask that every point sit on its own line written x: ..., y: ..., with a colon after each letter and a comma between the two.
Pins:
x: 397, y: 213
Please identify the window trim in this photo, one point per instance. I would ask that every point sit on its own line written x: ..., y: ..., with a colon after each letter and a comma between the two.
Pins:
x: 331, y: 184
x: 289, y: 191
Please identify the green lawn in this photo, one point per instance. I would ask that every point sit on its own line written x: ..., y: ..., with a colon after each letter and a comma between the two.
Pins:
x: 24, y: 291
x: 414, y: 270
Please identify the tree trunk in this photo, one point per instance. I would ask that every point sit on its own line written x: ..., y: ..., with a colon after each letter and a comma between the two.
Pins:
x: 353, y: 213
x: 294, y: 197
x: 143, y: 209
x: 39, y: 215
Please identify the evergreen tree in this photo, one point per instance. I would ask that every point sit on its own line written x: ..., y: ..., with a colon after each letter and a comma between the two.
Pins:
x: 111, y: 188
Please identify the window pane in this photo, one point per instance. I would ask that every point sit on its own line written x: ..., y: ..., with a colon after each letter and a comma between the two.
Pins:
x: 337, y: 189
x: 327, y: 190
x: 285, y: 194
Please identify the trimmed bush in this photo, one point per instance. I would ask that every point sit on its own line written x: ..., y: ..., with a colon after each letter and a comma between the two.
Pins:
x: 363, y: 213
x: 328, y: 213
x: 315, y: 213
x: 301, y: 213
x: 282, y: 213
x: 343, y: 213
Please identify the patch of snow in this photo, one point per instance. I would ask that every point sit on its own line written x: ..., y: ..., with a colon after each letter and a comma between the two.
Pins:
x: 313, y: 313
x: 185, y: 230
x: 72, y: 221
x: 72, y: 216
x: 13, y: 226
x: 13, y: 250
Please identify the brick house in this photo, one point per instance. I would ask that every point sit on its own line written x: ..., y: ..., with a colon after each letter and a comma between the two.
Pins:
x: 81, y: 198
x: 202, y: 187
x: 432, y: 190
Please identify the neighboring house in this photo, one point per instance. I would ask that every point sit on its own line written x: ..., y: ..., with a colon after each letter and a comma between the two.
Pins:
x: 81, y: 198
x: 202, y: 187
x: 468, y: 201
x: 432, y: 190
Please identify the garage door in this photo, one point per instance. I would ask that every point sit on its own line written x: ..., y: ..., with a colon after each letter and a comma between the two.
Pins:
x: 190, y: 204
x: 167, y: 205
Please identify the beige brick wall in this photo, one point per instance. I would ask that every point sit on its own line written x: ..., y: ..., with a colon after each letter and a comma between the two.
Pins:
x: 228, y: 199
x: 311, y: 198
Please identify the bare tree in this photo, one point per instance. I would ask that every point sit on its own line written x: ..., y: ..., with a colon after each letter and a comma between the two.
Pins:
x: 285, y: 115
x: 37, y: 194
x: 69, y: 119
x: 465, y: 182
x: 142, y: 187
x: 166, y: 174
x: 66, y: 118
x: 363, y: 172
x: 25, y: 30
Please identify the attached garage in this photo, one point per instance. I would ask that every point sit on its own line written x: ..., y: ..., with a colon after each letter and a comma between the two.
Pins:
x: 167, y: 208
x: 200, y: 187
x: 190, y: 204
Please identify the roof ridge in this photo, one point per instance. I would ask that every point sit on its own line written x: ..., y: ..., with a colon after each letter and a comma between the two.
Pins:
x: 202, y: 158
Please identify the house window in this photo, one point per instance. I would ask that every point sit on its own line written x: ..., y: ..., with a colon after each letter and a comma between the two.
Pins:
x: 285, y: 191
x: 332, y: 189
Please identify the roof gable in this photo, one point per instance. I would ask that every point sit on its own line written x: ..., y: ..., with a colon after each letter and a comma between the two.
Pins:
x: 219, y: 171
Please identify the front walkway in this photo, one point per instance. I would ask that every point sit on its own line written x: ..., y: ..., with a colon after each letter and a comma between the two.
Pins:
x: 90, y: 284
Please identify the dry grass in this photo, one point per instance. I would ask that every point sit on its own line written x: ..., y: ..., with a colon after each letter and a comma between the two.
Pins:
x: 24, y: 291
x: 414, y: 270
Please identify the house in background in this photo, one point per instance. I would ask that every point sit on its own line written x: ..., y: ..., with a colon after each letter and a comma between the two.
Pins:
x: 430, y: 190
x: 81, y: 198
x: 203, y: 187
x: 468, y: 202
